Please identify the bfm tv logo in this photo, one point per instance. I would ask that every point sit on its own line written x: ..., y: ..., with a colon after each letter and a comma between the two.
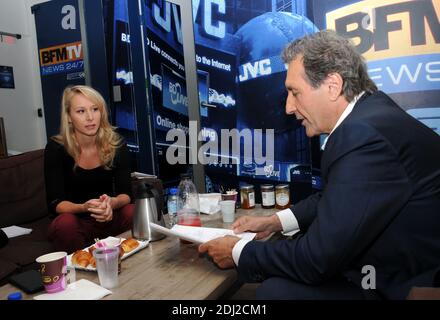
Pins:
x: 61, y: 54
x: 398, y: 28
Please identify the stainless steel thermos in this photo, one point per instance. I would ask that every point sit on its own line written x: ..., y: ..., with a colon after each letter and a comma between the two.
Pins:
x: 147, y: 209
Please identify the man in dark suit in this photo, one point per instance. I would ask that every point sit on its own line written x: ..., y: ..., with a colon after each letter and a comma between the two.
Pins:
x: 374, y: 230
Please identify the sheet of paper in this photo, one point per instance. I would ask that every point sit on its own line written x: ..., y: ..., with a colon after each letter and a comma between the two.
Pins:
x: 15, y: 231
x: 80, y: 290
x: 199, y: 234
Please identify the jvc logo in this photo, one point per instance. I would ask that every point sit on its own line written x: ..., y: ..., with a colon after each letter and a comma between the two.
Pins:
x: 252, y: 70
x: 165, y: 12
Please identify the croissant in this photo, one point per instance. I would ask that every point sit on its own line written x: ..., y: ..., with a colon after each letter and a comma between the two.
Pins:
x: 93, y: 262
x: 121, y: 251
x: 129, y: 244
x: 91, y: 249
x: 81, y: 258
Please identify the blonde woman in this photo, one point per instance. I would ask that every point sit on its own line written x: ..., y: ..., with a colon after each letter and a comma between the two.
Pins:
x: 87, y: 172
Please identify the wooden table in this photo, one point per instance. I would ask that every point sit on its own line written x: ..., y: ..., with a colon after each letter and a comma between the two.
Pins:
x: 167, y: 269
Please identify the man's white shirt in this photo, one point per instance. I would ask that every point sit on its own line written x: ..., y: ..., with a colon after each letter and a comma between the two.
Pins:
x: 288, y: 222
x: 287, y: 217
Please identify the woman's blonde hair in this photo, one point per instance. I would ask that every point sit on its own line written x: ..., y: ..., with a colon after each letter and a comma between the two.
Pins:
x: 107, y: 139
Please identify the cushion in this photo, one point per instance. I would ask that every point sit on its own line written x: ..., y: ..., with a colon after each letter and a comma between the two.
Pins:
x: 23, y: 250
x: 23, y: 194
x: 6, y: 268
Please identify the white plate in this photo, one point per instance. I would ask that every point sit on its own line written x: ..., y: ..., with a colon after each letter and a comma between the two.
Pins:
x: 142, y: 244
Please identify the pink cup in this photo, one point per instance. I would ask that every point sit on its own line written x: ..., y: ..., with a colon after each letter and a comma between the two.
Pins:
x: 54, y: 271
x: 230, y: 196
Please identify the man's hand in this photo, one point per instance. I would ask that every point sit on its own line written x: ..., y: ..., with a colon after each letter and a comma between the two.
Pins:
x: 263, y: 226
x: 104, y: 212
x: 220, y: 250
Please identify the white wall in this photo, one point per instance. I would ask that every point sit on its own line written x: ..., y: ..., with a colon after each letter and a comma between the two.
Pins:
x: 25, y: 131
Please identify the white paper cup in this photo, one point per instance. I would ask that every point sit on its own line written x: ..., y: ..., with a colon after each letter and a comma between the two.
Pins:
x: 228, y: 210
x: 54, y: 271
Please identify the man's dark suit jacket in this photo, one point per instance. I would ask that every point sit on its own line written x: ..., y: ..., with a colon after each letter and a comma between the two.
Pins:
x: 380, y: 206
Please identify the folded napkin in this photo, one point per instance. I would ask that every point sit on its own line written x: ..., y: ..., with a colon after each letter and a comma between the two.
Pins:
x: 15, y: 231
x: 80, y: 290
x: 209, y: 202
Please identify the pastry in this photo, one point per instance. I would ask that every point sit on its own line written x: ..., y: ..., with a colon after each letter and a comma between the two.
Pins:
x: 93, y: 262
x: 81, y: 258
x: 121, y: 251
x: 91, y: 249
x: 129, y: 244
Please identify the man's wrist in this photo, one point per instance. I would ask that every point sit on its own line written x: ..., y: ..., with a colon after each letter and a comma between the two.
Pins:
x: 237, y: 249
x: 289, y: 223
x: 275, y: 223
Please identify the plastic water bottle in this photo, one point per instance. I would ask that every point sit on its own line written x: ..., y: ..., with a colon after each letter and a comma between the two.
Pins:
x: 172, y: 206
x: 188, y: 209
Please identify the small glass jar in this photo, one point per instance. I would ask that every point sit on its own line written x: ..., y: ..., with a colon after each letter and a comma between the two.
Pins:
x: 282, y: 196
x: 267, y: 196
x: 247, y: 195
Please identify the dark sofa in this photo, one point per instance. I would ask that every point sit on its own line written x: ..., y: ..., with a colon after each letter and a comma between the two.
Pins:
x: 23, y: 203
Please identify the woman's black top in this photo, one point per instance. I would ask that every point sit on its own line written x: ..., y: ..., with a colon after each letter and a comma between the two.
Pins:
x: 78, y: 185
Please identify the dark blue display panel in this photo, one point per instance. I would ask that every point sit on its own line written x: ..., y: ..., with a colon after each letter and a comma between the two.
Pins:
x: 121, y: 74
x: 241, y: 84
x: 60, y: 54
x: 238, y: 47
x: 241, y: 75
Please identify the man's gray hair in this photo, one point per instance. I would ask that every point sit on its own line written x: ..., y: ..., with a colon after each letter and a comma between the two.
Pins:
x: 326, y: 52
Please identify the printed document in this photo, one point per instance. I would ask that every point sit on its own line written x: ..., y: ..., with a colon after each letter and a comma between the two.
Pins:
x: 199, y: 234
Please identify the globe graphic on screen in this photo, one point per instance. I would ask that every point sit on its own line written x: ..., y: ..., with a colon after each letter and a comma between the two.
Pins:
x: 268, y: 34
x: 263, y: 97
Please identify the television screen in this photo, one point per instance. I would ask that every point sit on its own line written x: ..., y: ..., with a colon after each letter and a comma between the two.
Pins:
x: 241, y: 79
x: 6, y: 77
x: 174, y: 96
